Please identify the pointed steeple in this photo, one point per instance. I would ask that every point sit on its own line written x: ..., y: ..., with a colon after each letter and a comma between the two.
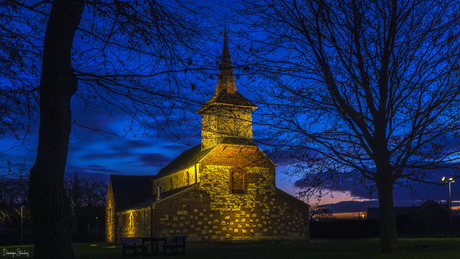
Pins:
x: 228, y: 114
x: 226, y: 80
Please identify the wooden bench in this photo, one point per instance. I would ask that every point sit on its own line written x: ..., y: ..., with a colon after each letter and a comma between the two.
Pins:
x: 132, y: 243
x: 177, y: 242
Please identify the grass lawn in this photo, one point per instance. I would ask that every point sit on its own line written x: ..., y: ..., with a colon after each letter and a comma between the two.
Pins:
x: 419, y: 248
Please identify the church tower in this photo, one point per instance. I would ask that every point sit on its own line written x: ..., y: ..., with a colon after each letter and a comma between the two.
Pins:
x: 228, y: 114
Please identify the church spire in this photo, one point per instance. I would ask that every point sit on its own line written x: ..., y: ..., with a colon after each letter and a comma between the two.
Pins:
x: 226, y: 79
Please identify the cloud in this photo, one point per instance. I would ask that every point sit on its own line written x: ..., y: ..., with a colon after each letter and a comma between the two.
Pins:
x: 153, y: 159
x: 92, y: 169
x: 176, y: 147
x: 111, y: 155
x: 136, y: 144
x: 351, y: 206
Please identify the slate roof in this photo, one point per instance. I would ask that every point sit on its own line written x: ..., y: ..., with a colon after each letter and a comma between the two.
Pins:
x: 237, y: 141
x: 129, y: 189
x: 227, y: 98
x: 226, y: 78
x: 153, y: 198
x: 187, y: 158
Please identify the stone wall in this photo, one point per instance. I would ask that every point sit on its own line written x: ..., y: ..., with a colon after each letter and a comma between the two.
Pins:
x: 134, y: 223
x: 190, y: 213
x: 225, y: 121
x: 175, y: 180
x: 110, y: 215
x: 211, y: 211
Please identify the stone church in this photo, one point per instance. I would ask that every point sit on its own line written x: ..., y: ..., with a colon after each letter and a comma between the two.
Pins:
x: 220, y: 190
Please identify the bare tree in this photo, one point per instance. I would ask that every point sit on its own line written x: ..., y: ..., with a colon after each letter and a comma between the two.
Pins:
x: 87, y: 196
x: 321, y: 213
x: 14, y: 183
x: 140, y: 59
x: 363, y: 90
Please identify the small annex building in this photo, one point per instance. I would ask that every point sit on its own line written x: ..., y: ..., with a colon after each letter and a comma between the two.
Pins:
x: 220, y: 190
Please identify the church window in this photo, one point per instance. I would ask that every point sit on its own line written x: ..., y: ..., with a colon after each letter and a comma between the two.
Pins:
x: 187, y: 178
x: 237, y: 182
x: 131, y: 220
x: 144, y: 218
x: 110, y: 215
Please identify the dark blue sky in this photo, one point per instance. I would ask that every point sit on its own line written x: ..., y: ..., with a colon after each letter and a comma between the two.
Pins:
x: 96, y: 153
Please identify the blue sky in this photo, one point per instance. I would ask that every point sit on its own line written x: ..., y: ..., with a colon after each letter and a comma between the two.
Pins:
x: 105, y: 154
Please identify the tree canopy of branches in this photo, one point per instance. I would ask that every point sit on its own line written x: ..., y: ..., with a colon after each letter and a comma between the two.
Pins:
x: 139, y: 59
x: 363, y: 90
x: 14, y: 185
x: 87, y: 195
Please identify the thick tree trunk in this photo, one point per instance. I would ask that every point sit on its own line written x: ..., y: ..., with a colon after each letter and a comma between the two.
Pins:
x: 387, y: 222
x: 50, y: 209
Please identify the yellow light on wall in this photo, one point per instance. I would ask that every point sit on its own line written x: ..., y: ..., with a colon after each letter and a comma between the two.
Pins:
x: 131, y: 220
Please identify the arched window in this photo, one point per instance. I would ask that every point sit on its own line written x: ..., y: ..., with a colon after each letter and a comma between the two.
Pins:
x: 109, y: 214
x: 131, y: 220
x: 187, y: 178
x: 144, y: 219
x: 237, y: 182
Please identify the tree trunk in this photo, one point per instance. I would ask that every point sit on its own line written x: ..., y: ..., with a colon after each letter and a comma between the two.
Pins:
x: 387, y: 222
x: 50, y: 208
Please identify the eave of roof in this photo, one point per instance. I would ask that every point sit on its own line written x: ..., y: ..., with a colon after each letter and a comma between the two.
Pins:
x: 292, y: 197
x: 230, y: 99
x: 129, y: 189
x: 152, y: 200
x: 186, y: 159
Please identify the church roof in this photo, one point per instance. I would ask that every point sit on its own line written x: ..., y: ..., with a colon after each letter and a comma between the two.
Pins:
x: 129, y: 189
x: 237, y: 141
x: 226, y: 78
x: 226, y: 88
x: 153, y: 198
x: 227, y: 99
x: 187, y: 158
x: 193, y: 155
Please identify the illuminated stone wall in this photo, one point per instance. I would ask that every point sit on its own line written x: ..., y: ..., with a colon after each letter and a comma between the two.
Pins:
x: 226, y: 121
x: 175, y: 180
x: 211, y: 211
x: 134, y: 223
x: 110, y: 216
x: 279, y: 217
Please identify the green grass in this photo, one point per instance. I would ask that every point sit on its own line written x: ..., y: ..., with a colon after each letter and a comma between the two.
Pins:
x: 415, y: 248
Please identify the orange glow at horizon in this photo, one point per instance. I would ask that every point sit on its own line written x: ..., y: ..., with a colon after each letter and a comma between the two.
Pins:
x: 351, y: 215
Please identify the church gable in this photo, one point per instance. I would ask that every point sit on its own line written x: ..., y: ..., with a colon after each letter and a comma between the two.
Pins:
x: 236, y: 170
